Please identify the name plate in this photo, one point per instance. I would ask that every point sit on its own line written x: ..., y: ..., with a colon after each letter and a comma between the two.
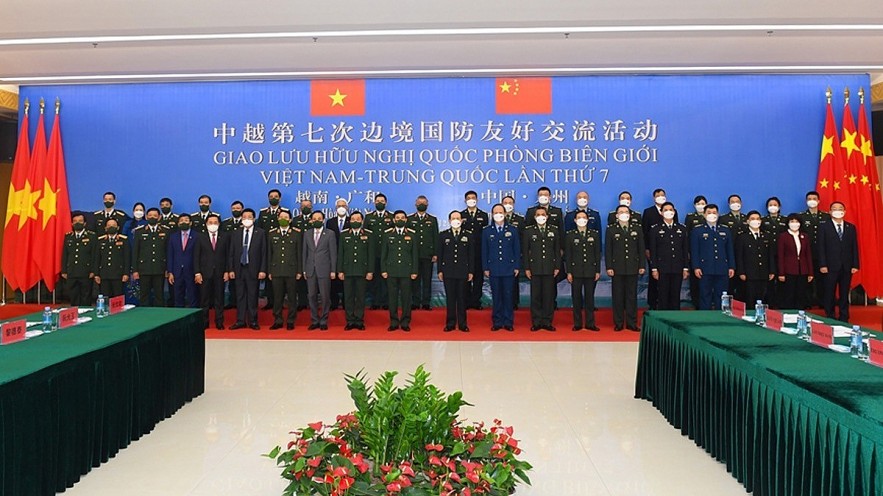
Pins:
x: 68, y: 317
x: 117, y: 303
x: 822, y: 334
x: 12, y: 332
x: 775, y: 320
x: 738, y: 309
x: 875, y: 351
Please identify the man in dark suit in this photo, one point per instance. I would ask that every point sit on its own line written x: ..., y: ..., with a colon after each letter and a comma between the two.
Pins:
x: 338, y: 224
x: 474, y: 220
x: 455, y: 268
x: 247, y: 265
x: 653, y: 215
x: 180, y: 263
x: 837, y: 246
x: 501, y: 262
x: 755, y: 258
x: 210, y: 268
x: 320, y: 268
x: 669, y: 248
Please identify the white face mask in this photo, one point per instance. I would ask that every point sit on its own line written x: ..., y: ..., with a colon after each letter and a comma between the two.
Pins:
x: 456, y: 223
x: 668, y: 214
x: 471, y: 203
x: 341, y: 211
x: 812, y: 203
x: 712, y: 218
x: 499, y: 217
x: 543, y: 200
x: 700, y: 207
x: 754, y: 224
x: 212, y: 228
x: 582, y: 222
x: 139, y: 214
x: 626, y: 203
x: 794, y: 226
x: 582, y: 202
x: 508, y: 207
x: 838, y: 214
x: 735, y: 207
x: 623, y: 217
x: 247, y: 222
x: 541, y: 220
x: 773, y: 209
x: 659, y: 200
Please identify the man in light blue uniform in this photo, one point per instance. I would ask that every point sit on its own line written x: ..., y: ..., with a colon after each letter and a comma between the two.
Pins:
x: 500, y: 259
x: 711, y: 249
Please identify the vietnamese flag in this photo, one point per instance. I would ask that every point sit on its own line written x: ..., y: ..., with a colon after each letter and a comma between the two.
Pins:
x: 54, y: 211
x: 868, y: 210
x: 14, y: 221
x: 340, y: 97
x: 523, y: 95
x: 831, y: 168
x: 29, y: 233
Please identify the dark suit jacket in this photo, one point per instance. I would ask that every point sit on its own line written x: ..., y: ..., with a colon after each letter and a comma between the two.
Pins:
x: 180, y: 258
x: 320, y: 260
x: 208, y: 261
x: 788, y: 262
x: 651, y: 217
x: 332, y: 225
x: 257, y: 253
x: 834, y: 253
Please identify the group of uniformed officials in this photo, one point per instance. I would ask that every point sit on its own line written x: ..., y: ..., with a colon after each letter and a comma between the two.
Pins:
x: 387, y: 258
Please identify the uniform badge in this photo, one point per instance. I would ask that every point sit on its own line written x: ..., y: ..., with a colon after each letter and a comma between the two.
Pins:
x: 633, y: 233
x: 448, y: 241
x: 663, y: 232
x: 704, y: 235
x: 407, y: 238
x: 508, y: 234
x: 464, y: 239
x: 162, y: 235
x: 616, y: 235
x: 119, y: 243
x: 576, y: 241
x: 533, y: 237
x: 551, y: 234
x: 592, y: 240
x: 363, y: 237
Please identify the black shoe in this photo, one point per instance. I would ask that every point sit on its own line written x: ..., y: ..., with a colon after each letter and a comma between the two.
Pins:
x: 237, y: 325
x: 576, y: 329
x: 478, y: 307
x: 426, y: 307
x: 229, y: 307
x: 268, y: 306
x: 495, y: 328
x: 255, y: 327
x: 276, y: 326
x: 360, y: 327
x: 301, y: 307
x: 464, y: 329
x: 448, y: 329
x: 551, y: 328
x: 385, y: 307
x: 406, y: 328
x: 634, y: 329
x: 323, y: 327
x: 313, y: 327
x: 534, y: 328
x: 414, y: 307
x: 348, y: 327
x: 219, y: 327
x: 509, y: 328
x: 290, y: 327
x: 375, y: 307
x: 617, y: 328
x: 392, y: 328
x: 593, y: 328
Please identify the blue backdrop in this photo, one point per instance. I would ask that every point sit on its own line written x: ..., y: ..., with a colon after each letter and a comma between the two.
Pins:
x: 755, y: 135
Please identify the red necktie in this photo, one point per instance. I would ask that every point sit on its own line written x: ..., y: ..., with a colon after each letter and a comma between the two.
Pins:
x: 213, y: 241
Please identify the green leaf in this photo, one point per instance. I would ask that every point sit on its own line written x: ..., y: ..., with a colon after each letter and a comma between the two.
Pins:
x: 483, y: 449
x: 273, y: 453
x: 523, y: 476
x: 459, y: 448
x: 317, y: 448
x: 300, y: 464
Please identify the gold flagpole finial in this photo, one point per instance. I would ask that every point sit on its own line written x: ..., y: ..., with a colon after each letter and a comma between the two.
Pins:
x: 57, y: 105
x: 828, y: 94
x: 861, y: 95
x: 846, y: 96
x: 27, y: 105
x: 42, y: 105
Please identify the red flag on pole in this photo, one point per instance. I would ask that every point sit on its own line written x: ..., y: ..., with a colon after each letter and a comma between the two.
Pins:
x: 523, y: 95
x: 53, y: 210
x: 11, y: 231
x: 831, y: 168
x: 868, y: 209
x: 28, y: 273
x: 852, y: 159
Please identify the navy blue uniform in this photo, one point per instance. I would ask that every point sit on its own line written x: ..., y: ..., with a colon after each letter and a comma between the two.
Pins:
x: 711, y: 250
x: 501, y: 257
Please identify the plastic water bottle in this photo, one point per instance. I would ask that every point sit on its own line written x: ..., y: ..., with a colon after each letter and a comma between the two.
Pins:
x: 856, y: 343
x: 725, y: 304
x: 801, y: 325
x: 759, y: 314
x: 99, y: 307
x: 47, y: 320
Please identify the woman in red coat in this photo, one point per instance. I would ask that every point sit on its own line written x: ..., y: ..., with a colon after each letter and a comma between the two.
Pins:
x: 794, y: 264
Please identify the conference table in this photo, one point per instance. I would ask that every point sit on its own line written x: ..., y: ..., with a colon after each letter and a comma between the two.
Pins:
x: 787, y: 417
x: 72, y: 399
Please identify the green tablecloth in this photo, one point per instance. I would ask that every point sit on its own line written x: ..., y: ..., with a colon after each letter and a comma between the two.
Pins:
x: 72, y: 399
x: 786, y: 416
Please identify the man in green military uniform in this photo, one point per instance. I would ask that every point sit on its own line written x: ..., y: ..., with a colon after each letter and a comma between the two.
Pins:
x: 167, y: 218
x: 355, y: 266
x: 149, y: 258
x: 625, y: 200
x: 197, y: 219
x: 102, y: 216
x: 233, y: 222
x: 398, y: 265
x: 582, y: 259
x: 77, y: 259
x: 378, y: 222
x: 624, y: 254
x: 285, y: 267
x: 425, y: 227
x: 735, y: 220
x: 112, y: 260
x: 541, y: 257
x: 268, y: 219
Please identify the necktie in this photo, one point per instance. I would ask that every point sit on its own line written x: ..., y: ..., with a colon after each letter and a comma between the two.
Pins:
x: 340, y: 226
x: 840, y: 231
x: 499, y: 230
x: 316, y: 234
x: 214, y: 240
x: 456, y: 233
x: 244, y: 258
x: 184, y: 241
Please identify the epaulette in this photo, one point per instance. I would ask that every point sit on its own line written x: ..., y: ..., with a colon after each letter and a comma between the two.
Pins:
x: 103, y: 236
x: 139, y: 227
x: 367, y: 230
x: 389, y: 230
x: 98, y: 212
x: 274, y: 229
x: 409, y: 229
x: 285, y: 209
x: 123, y: 236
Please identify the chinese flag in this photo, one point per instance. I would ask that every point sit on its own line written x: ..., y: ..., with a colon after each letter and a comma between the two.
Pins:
x: 332, y: 98
x: 868, y: 211
x: 831, y: 168
x: 29, y: 233
x: 523, y: 95
x: 53, y: 212
x: 12, y: 241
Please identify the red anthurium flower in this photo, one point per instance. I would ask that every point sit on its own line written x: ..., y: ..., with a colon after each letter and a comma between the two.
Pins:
x: 466, y: 492
x: 314, y: 462
x: 407, y: 470
x: 340, y: 472
x: 316, y: 426
x: 394, y: 487
x: 512, y: 442
x: 434, y: 460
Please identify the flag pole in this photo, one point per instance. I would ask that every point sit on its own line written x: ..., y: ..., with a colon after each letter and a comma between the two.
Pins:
x: 846, y: 96
x: 828, y: 94
x: 57, y: 105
